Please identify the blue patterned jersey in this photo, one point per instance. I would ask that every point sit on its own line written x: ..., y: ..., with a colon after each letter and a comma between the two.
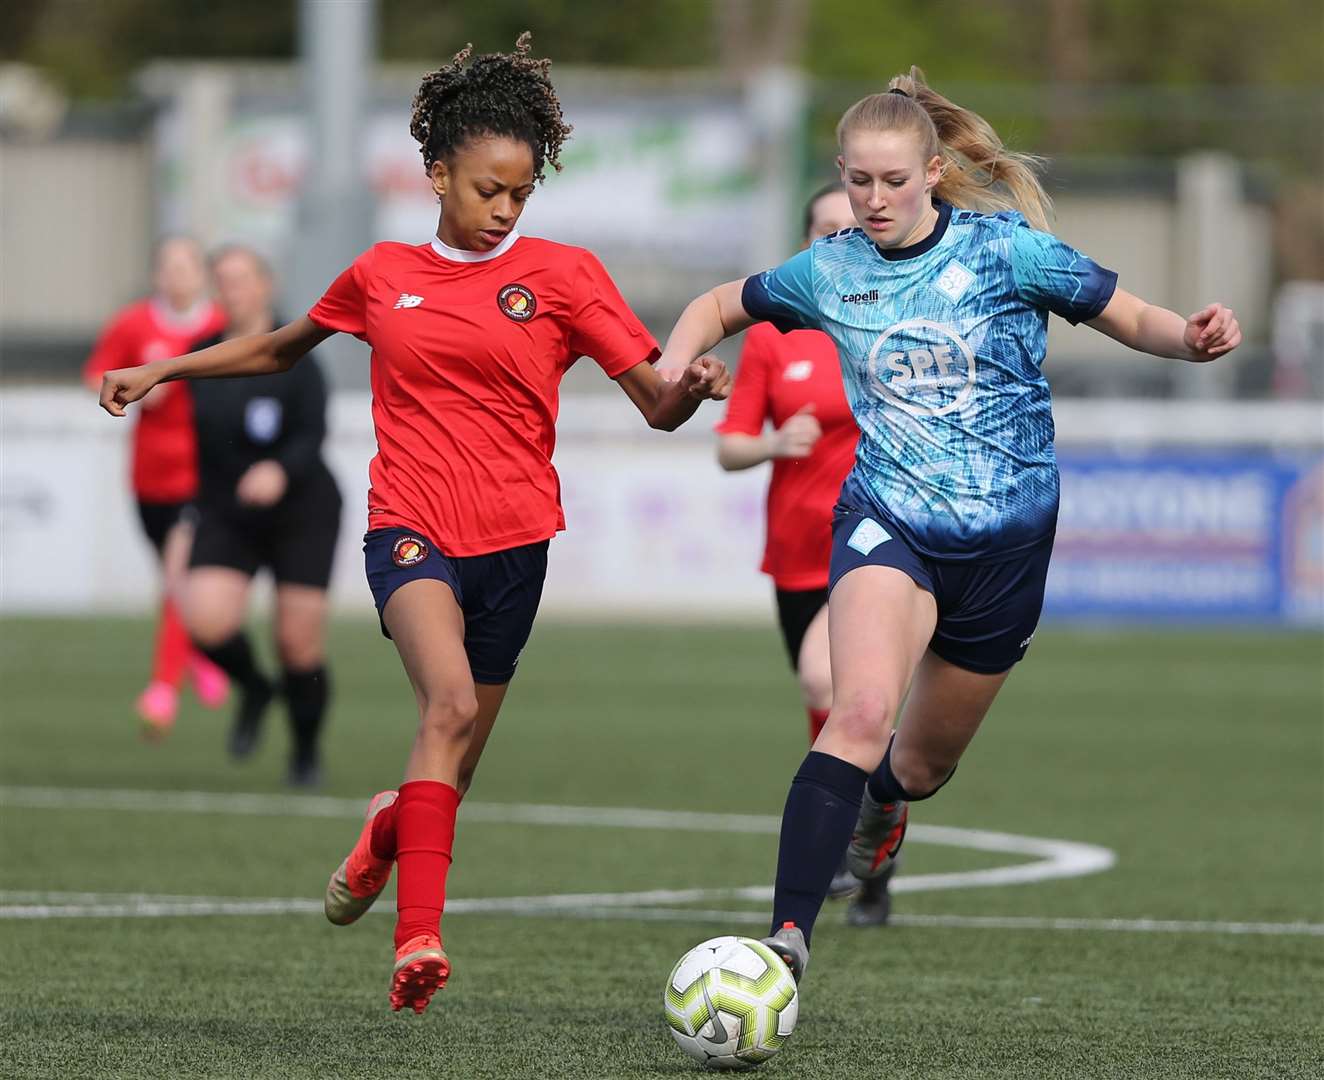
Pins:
x: 941, y: 345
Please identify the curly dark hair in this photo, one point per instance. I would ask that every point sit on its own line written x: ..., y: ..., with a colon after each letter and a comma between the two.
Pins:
x: 505, y: 94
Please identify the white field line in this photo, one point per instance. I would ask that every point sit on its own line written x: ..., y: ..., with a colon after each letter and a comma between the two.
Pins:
x: 1053, y: 858
x: 60, y: 905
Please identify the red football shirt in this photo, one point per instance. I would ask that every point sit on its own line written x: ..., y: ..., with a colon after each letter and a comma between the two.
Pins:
x: 468, y: 351
x: 165, y: 453
x: 779, y: 374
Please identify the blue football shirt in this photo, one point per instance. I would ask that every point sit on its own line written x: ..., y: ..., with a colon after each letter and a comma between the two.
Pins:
x: 941, y: 347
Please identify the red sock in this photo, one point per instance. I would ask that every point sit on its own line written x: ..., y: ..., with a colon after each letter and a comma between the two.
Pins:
x: 817, y: 718
x: 382, y: 840
x: 425, y: 832
x: 172, y: 646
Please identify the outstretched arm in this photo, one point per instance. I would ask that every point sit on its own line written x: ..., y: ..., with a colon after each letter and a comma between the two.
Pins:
x: 253, y: 354
x: 715, y: 315
x: 1206, y: 335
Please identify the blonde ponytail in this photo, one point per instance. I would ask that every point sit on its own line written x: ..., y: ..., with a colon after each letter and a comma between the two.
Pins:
x: 978, y: 172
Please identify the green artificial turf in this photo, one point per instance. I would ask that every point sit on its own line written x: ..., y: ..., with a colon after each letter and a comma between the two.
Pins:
x: 1197, y: 758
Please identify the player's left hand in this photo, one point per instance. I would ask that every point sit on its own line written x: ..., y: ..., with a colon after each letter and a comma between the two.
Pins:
x: 1211, y: 332
x: 706, y: 379
x: 263, y: 484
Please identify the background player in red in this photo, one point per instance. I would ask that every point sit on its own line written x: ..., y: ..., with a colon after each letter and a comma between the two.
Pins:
x: 165, y: 472
x: 471, y: 334
x: 793, y: 382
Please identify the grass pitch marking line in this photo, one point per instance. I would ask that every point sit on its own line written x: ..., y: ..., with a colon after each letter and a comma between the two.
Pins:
x: 1053, y: 858
x: 58, y: 905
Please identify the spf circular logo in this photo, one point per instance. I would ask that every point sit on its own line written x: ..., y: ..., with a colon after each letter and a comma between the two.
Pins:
x: 517, y: 302
x: 923, y: 368
x: 409, y: 551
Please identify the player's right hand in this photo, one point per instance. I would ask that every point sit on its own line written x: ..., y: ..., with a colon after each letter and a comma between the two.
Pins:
x: 796, y: 437
x: 124, y: 386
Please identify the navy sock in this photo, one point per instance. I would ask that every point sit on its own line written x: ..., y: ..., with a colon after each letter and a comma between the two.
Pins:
x: 886, y: 788
x: 306, y: 697
x: 821, y: 809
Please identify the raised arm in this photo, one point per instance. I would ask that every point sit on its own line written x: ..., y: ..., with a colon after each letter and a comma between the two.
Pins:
x: 254, y: 354
x: 1208, y: 334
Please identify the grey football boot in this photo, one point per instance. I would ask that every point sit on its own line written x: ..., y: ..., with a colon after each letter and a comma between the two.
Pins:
x: 879, y: 833
x: 789, y: 944
x: 872, y: 905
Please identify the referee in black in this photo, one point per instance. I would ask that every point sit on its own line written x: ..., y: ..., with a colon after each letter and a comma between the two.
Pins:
x: 265, y: 499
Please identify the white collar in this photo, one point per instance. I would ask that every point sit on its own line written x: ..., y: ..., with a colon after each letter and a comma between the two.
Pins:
x: 463, y: 256
x: 180, y: 321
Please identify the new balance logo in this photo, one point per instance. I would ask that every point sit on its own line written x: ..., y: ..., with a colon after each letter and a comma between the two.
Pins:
x: 408, y: 300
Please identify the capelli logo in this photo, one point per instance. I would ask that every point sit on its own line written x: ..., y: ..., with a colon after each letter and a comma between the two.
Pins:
x: 870, y: 297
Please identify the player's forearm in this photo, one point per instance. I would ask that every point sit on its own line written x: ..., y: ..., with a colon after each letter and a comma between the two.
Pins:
x: 1161, y: 332
x: 672, y: 407
x: 737, y: 451
x: 253, y: 354
x: 698, y: 330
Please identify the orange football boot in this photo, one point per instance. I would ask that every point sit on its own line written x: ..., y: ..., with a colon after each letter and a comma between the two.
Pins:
x: 421, y: 969
x: 361, y: 877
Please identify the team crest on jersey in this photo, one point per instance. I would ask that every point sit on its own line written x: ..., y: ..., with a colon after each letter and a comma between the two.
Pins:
x: 517, y: 302
x: 954, y: 280
x: 409, y: 551
x: 923, y: 367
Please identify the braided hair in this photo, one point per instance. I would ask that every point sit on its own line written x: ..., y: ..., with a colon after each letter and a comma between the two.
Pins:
x: 504, y: 94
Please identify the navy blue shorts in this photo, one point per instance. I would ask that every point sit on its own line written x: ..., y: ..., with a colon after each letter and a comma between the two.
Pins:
x: 987, y: 611
x: 498, y: 592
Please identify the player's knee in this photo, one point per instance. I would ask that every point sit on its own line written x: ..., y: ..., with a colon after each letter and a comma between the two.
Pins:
x: 299, y: 651
x: 815, y: 685
x: 450, y: 715
x: 922, y: 774
x: 863, y: 717
x: 208, y: 629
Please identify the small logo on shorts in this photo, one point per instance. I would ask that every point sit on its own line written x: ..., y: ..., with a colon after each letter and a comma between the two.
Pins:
x: 516, y: 302
x: 798, y: 370
x: 1025, y: 644
x: 409, y: 551
x: 868, y: 535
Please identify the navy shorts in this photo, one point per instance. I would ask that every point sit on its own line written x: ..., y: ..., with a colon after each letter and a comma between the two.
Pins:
x: 498, y: 592
x: 987, y: 611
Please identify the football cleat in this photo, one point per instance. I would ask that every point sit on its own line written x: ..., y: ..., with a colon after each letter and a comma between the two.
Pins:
x: 361, y: 876
x: 421, y: 969
x: 879, y: 832
x: 157, y: 706
x: 210, y: 683
x: 872, y: 905
x: 789, y: 944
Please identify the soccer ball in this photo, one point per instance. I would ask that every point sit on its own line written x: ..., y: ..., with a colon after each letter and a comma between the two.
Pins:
x: 731, y: 1003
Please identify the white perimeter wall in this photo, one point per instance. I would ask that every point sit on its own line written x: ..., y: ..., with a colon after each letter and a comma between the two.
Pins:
x: 654, y: 527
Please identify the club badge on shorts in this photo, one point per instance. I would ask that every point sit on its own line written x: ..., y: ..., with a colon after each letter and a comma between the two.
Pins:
x: 517, y: 302
x: 409, y: 551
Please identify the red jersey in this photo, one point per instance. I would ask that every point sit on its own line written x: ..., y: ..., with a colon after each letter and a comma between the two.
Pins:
x: 468, y: 351
x: 165, y: 454
x: 779, y: 375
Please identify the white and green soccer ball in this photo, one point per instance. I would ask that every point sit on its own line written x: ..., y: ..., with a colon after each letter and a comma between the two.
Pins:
x: 731, y: 1003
